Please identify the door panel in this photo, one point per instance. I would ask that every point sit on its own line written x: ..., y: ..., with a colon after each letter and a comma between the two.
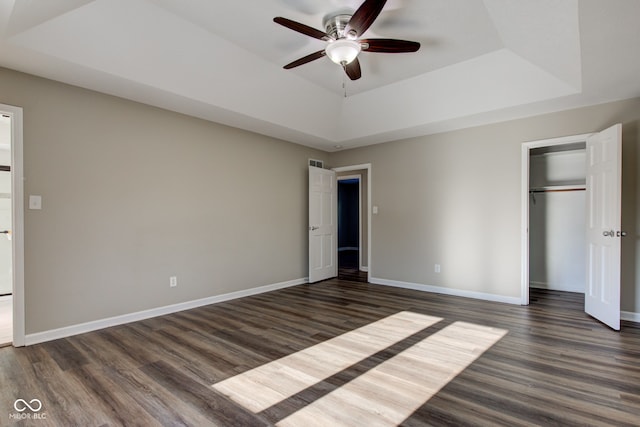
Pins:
x: 602, y: 296
x: 322, y: 224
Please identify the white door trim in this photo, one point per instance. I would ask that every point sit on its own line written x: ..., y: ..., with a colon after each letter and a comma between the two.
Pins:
x: 524, y: 203
x: 17, y: 226
x: 368, y: 168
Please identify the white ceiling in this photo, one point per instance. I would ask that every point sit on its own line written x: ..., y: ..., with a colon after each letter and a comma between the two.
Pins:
x: 480, y: 61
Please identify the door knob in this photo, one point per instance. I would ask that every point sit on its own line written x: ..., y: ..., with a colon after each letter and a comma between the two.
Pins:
x: 621, y: 233
x: 313, y: 228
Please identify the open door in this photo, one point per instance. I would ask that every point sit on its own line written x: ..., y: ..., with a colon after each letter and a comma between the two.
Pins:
x: 604, y: 164
x: 323, y: 196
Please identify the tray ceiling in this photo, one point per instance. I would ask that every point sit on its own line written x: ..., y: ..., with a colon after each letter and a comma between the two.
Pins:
x: 480, y: 61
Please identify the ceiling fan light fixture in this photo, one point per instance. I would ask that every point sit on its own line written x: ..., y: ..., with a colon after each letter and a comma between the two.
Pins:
x: 342, y: 31
x: 343, y: 51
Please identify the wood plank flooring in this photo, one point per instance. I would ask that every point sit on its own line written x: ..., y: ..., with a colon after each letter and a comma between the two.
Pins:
x: 555, y: 365
x: 352, y: 275
x: 269, y: 384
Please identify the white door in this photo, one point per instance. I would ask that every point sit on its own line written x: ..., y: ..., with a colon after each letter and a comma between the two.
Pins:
x: 604, y: 164
x: 323, y: 196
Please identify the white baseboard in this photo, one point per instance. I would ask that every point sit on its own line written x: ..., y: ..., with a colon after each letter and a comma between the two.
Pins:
x: 446, y: 291
x: 95, y: 325
x: 630, y: 316
x: 82, y: 328
x: 624, y: 315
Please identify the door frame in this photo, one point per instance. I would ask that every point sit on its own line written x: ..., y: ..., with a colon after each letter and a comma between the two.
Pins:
x: 368, y: 168
x: 17, y: 221
x: 359, y: 178
x: 524, y: 202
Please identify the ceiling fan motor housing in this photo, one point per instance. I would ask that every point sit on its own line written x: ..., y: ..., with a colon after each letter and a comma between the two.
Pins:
x: 335, y: 24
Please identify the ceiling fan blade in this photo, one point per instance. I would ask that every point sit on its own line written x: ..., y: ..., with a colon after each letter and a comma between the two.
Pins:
x: 389, y: 45
x: 312, y: 57
x: 301, y: 28
x: 353, y: 69
x: 364, y: 17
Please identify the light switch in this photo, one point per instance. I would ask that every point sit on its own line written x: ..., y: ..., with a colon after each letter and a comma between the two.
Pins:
x: 375, y: 210
x: 35, y: 202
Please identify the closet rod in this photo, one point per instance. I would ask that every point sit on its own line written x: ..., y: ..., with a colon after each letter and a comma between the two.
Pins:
x: 556, y: 191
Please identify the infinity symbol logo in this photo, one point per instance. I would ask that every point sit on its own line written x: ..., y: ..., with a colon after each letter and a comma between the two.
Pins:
x: 21, y: 405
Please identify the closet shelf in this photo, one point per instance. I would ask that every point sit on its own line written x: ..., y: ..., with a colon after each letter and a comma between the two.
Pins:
x: 554, y: 188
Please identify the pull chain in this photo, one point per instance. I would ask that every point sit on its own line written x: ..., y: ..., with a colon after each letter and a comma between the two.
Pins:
x: 344, y: 85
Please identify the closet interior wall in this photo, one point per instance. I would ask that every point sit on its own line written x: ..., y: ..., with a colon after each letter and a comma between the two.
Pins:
x: 557, y: 212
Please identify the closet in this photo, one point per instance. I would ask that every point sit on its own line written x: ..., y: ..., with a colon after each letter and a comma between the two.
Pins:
x: 557, y: 212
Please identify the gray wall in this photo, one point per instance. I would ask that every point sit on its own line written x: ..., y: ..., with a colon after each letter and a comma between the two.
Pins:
x: 454, y: 199
x: 134, y: 194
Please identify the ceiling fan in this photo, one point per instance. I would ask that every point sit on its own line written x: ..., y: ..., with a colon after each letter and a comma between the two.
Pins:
x: 342, y: 34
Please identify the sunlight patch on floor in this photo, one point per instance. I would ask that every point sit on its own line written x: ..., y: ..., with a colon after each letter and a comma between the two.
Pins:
x: 266, y: 385
x: 386, y: 394
x: 389, y: 393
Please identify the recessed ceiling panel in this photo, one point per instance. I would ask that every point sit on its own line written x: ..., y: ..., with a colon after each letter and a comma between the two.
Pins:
x: 28, y: 13
x: 149, y: 45
x: 494, y: 81
x: 222, y: 61
x: 545, y: 32
x: 450, y: 31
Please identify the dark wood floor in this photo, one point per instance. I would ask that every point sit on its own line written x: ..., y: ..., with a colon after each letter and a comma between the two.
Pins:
x: 556, y: 365
x: 352, y: 275
x: 349, y: 266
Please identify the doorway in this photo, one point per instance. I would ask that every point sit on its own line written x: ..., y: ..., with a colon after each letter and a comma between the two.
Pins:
x: 545, y: 183
x: 557, y: 215
x: 349, y: 226
x: 354, y: 219
x: 602, y: 216
x: 6, y: 257
x: 12, y: 220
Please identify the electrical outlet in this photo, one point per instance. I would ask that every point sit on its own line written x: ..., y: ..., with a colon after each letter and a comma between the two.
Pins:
x: 35, y: 202
x: 173, y: 281
x: 437, y: 268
